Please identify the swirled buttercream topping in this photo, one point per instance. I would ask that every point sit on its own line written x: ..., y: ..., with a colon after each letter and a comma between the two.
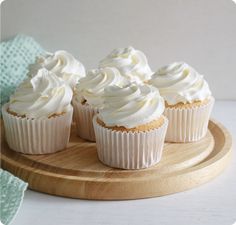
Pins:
x: 63, y: 64
x: 131, y: 106
x: 178, y: 82
x: 130, y: 62
x: 41, y: 96
x: 91, y: 87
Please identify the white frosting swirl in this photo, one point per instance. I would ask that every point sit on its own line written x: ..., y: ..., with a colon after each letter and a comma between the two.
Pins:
x: 178, y: 82
x: 63, y: 64
x: 131, y: 106
x: 41, y: 96
x: 130, y: 62
x: 91, y: 87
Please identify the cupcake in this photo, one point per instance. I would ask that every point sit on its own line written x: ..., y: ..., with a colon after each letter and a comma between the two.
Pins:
x: 63, y: 64
x: 131, y: 63
x: 130, y: 129
x: 37, y: 119
x: 89, y: 98
x: 188, y: 101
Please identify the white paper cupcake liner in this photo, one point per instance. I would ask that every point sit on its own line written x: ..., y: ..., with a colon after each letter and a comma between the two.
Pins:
x: 129, y: 150
x: 83, y: 118
x: 188, y: 124
x: 37, y: 136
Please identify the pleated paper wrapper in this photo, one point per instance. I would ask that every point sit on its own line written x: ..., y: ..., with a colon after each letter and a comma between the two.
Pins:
x: 83, y: 118
x: 188, y: 124
x: 129, y: 150
x: 37, y: 136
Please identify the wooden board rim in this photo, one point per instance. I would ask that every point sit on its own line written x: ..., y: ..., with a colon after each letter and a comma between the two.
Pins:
x: 222, y: 159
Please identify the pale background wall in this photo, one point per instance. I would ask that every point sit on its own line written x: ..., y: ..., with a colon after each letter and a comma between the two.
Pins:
x: 200, y: 32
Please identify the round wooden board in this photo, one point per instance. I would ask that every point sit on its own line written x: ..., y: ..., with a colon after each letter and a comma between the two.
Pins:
x: 76, y: 172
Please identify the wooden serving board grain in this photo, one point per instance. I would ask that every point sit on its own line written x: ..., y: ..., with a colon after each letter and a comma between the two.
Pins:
x: 76, y: 172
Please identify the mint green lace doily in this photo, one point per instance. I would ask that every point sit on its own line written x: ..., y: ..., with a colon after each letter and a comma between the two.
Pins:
x: 12, y: 193
x: 15, y: 57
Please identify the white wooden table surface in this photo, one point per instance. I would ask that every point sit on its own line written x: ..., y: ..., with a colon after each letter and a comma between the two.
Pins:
x: 213, y: 203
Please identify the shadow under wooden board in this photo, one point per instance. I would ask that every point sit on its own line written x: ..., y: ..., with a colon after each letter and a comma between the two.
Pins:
x: 76, y: 171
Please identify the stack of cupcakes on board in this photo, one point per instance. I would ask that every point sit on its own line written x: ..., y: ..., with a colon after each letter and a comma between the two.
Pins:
x: 128, y: 110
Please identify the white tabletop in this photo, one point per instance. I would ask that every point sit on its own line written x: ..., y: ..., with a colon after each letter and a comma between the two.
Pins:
x: 213, y: 203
